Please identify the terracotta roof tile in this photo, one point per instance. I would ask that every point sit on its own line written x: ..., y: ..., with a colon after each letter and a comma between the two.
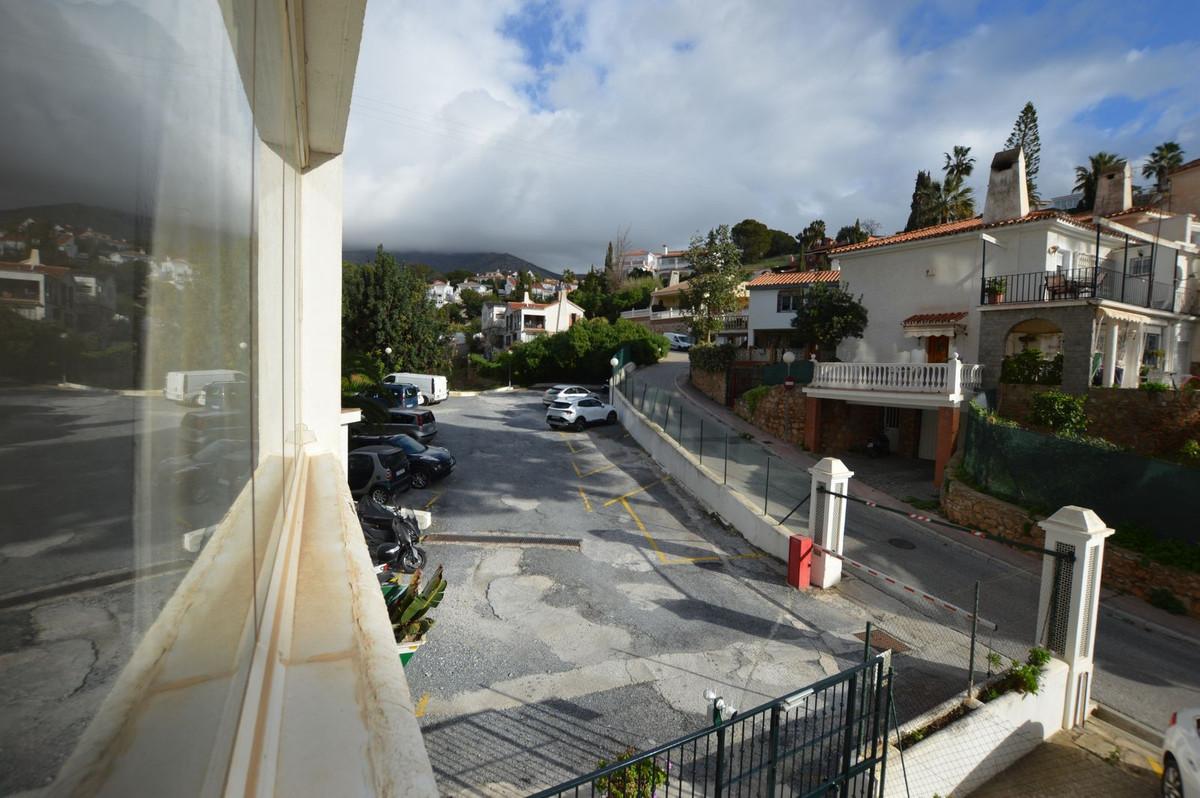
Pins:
x: 929, y: 319
x: 961, y: 226
x: 771, y: 279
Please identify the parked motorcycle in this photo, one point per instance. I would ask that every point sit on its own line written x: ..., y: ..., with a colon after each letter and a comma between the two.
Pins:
x: 392, y: 535
x: 879, y: 446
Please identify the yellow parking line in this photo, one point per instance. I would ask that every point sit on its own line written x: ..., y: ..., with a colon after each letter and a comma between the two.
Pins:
x: 1155, y: 766
x: 653, y: 543
x: 596, y: 470
x: 577, y: 473
x: 421, y: 705
x: 713, y: 558
x: 567, y: 440
x: 634, y: 492
x: 432, y: 501
x: 586, y: 504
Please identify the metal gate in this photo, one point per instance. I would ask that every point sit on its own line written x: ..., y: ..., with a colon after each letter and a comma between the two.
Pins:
x: 829, y: 738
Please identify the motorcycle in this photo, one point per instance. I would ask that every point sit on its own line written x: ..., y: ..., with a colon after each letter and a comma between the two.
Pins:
x: 392, y: 535
x: 879, y: 446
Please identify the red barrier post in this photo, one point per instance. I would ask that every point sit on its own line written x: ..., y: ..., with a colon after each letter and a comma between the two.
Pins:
x: 800, y: 551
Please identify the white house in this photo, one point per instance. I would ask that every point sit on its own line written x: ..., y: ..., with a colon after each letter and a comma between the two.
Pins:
x: 441, y: 293
x: 508, y: 323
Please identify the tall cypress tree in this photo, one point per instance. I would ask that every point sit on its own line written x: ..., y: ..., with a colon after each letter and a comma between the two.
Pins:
x: 918, y: 214
x: 608, y: 264
x: 1025, y: 135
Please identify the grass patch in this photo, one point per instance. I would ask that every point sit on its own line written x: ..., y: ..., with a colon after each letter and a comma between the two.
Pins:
x: 929, y: 505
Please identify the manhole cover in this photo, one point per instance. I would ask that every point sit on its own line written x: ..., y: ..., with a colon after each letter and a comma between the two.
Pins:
x: 882, y: 641
x: 901, y: 543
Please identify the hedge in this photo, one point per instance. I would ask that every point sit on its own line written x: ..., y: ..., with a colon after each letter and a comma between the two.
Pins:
x: 707, y: 357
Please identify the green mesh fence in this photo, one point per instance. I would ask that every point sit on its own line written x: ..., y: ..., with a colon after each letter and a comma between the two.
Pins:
x: 1044, y: 472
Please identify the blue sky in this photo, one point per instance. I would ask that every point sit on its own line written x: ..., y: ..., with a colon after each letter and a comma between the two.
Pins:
x: 543, y: 128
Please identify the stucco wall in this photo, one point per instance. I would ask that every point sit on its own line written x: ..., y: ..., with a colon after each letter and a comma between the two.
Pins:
x: 1075, y: 321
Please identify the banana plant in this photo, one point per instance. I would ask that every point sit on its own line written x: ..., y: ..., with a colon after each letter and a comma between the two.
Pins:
x: 408, y: 604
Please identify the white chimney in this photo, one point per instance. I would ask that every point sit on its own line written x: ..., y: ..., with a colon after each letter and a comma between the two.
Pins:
x: 666, y: 250
x: 527, y: 300
x: 674, y: 280
x: 1114, y: 191
x: 1007, y: 192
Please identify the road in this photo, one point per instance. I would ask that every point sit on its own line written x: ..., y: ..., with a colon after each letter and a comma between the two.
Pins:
x: 1142, y: 672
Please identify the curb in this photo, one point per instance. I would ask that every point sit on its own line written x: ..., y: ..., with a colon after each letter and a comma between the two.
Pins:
x: 1148, y: 625
x: 1128, y: 725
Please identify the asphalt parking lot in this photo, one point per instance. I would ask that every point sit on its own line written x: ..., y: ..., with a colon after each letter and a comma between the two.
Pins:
x: 591, y: 601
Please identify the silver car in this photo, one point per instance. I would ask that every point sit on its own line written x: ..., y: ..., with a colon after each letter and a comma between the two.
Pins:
x: 1181, y: 755
x: 564, y: 393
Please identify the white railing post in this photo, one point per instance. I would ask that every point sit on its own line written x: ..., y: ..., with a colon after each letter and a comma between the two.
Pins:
x: 827, y: 521
x: 1070, y: 599
x: 954, y: 376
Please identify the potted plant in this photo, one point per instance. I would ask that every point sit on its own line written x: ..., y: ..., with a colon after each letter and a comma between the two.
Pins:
x: 407, y: 606
x: 994, y: 289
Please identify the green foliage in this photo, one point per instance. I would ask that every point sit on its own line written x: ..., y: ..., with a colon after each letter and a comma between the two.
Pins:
x: 408, y: 604
x: 639, y: 780
x: 1189, y: 452
x: 1060, y: 412
x: 1163, y: 159
x: 1030, y: 368
x: 1024, y: 677
x: 852, y: 233
x: 755, y: 395
x: 384, y: 304
x: 1086, y: 176
x: 1025, y: 135
x: 829, y: 315
x: 753, y: 238
x: 929, y: 505
x: 579, y: 353
x: 990, y: 416
x: 1167, y: 551
x: 812, y: 235
x: 1103, y: 444
x: 782, y: 244
x: 713, y: 287
x: 1154, y: 387
x: 1164, y: 599
x: 707, y: 357
x: 472, y: 302
x: 918, y: 213
x: 948, y: 200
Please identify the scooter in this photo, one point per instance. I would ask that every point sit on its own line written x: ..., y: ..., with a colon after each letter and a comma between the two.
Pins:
x: 879, y: 446
x: 392, y: 535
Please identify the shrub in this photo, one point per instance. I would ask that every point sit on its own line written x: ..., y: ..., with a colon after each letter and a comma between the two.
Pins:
x: 1030, y: 368
x: 754, y: 396
x: 991, y: 416
x: 1189, y: 453
x: 1140, y: 540
x: 639, y: 780
x: 1164, y: 599
x: 580, y: 353
x: 708, y: 357
x: 1060, y: 412
x: 1103, y: 444
x: 1154, y: 387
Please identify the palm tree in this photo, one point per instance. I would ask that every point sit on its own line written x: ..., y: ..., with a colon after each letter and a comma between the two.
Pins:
x: 1164, y: 159
x: 1086, y: 176
x: 568, y: 276
x: 959, y: 163
x: 947, y: 201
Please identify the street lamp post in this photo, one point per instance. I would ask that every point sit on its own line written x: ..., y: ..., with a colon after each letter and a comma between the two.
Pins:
x: 613, y: 379
x: 789, y: 357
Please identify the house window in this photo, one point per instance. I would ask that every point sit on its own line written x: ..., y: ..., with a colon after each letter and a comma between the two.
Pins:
x: 1152, y: 354
x: 789, y: 301
x: 1062, y: 260
x: 1141, y: 266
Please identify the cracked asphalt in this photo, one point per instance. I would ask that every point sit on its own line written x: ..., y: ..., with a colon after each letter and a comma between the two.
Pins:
x: 545, y: 659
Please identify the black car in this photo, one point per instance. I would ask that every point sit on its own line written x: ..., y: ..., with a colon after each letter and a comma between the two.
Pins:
x: 427, y: 464
x: 221, y: 465
x: 421, y: 424
x: 378, y: 471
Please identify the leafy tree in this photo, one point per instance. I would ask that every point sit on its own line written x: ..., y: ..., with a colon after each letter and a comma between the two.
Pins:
x: 591, y: 293
x: 852, y: 233
x: 385, y: 305
x: 782, y: 244
x: 568, y: 276
x: 753, y: 238
x: 713, y: 287
x: 1025, y: 135
x: 472, y: 302
x: 959, y: 164
x: 947, y: 201
x: 457, y: 276
x: 1086, y: 176
x: 812, y: 235
x: 424, y: 272
x: 829, y: 315
x: 580, y: 353
x: 608, y: 258
x: 1163, y: 159
x: 918, y: 213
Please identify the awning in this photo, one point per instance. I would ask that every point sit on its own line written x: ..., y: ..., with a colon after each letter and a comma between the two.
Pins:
x: 1123, y: 315
x: 924, y: 325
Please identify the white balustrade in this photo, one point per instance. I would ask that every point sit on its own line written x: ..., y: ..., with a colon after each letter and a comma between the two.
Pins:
x: 951, y: 378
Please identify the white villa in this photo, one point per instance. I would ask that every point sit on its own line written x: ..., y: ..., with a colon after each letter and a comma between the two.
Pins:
x: 507, y: 323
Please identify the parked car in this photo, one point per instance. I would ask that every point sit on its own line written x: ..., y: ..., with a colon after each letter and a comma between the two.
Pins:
x: 202, y: 427
x: 580, y: 413
x: 433, y: 387
x: 428, y: 464
x: 379, y: 471
x: 407, y: 394
x: 1181, y: 755
x: 564, y: 393
x: 222, y: 464
x: 185, y: 386
x: 421, y: 424
x: 679, y: 341
x: 225, y: 396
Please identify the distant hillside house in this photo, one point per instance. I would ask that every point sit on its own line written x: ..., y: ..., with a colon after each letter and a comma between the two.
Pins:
x: 506, y: 323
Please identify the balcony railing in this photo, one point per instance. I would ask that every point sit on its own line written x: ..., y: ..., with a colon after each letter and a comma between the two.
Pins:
x: 1103, y: 282
x: 654, y: 315
x: 732, y: 322
x: 951, y: 381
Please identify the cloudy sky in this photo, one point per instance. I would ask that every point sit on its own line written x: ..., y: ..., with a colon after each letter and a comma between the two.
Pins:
x: 544, y: 128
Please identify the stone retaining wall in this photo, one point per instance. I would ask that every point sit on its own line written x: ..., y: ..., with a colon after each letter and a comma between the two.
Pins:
x: 780, y: 413
x: 1126, y: 571
x: 711, y: 383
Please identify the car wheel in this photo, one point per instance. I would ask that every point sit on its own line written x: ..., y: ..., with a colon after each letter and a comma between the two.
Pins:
x: 612, y: 417
x: 1172, y: 782
x: 420, y: 480
x: 381, y: 494
x: 412, y: 558
x: 579, y: 425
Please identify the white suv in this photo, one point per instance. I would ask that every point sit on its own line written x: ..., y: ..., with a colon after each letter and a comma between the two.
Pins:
x: 564, y: 393
x: 1181, y: 755
x: 579, y: 413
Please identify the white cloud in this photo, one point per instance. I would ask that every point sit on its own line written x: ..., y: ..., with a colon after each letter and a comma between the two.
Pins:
x: 764, y: 112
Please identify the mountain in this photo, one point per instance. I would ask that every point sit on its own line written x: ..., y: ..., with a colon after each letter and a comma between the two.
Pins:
x: 117, y: 223
x: 444, y: 262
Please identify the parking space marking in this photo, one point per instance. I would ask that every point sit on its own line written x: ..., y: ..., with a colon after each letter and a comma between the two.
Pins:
x: 421, y: 705
x: 567, y: 440
x: 713, y: 558
x: 586, y: 503
x: 432, y: 501
x: 1155, y: 766
x: 635, y: 492
x: 637, y: 520
x: 598, y: 470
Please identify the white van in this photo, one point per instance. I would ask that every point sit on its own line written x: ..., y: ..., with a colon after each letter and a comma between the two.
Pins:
x: 432, y: 386
x: 679, y: 341
x: 185, y: 386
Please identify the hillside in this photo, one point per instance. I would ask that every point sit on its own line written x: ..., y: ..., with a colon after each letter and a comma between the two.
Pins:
x: 117, y: 223
x: 444, y: 262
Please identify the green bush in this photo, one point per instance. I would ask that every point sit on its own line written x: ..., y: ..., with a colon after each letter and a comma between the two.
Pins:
x: 991, y: 416
x: 1154, y: 387
x: 1164, y: 599
x: 754, y: 396
x: 1189, y: 453
x: 708, y: 357
x: 639, y: 780
x: 1030, y: 368
x: 580, y: 353
x: 1060, y: 412
x: 1141, y: 540
x: 1103, y: 444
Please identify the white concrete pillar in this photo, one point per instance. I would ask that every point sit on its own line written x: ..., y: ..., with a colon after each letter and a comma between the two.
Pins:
x: 827, y: 519
x: 1070, y: 600
x: 1110, y: 353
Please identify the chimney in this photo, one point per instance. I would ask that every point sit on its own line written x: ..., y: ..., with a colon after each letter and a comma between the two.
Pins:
x: 1007, y: 192
x: 1114, y: 191
x: 666, y: 250
x: 674, y: 277
x: 527, y: 300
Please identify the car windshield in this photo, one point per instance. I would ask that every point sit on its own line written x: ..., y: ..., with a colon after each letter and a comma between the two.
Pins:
x: 409, y: 445
x: 394, y: 460
x: 561, y: 405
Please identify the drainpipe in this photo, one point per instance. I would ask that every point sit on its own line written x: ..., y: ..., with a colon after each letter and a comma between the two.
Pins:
x: 1150, y: 282
x: 1125, y: 267
x: 983, y: 271
x: 1096, y: 268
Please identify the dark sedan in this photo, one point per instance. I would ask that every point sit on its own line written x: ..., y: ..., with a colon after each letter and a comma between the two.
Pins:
x: 223, y: 465
x: 427, y: 464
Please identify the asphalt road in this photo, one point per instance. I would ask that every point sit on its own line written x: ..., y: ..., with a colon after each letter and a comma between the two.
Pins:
x: 1141, y: 671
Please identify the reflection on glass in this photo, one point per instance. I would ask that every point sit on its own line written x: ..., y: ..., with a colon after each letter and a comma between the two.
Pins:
x: 148, y: 218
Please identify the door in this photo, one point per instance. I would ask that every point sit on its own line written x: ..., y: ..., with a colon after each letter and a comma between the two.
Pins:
x: 937, y: 348
x: 927, y: 444
x: 591, y: 410
x: 359, y: 469
x: 891, y: 427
